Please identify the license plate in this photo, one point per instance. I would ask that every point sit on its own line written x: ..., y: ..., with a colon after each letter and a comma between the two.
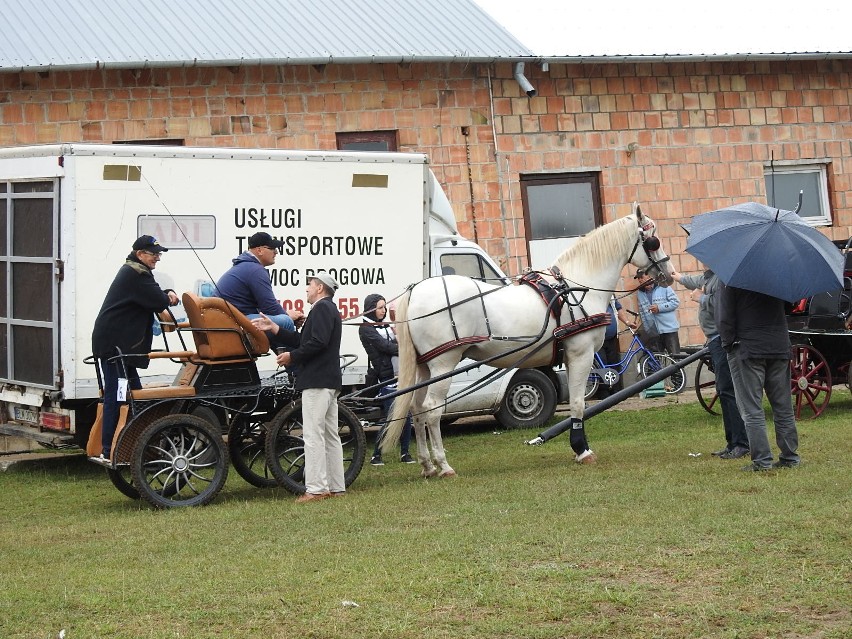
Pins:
x: 25, y: 415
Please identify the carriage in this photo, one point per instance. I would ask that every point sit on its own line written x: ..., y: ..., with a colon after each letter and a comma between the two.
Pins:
x: 821, y: 354
x: 174, y: 442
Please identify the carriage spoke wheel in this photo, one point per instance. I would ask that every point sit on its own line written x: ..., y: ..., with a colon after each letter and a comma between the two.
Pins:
x: 179, y: 460
x: 246, y: 442
x: 706, y: 389
x: 122, y: 478
x: 810, y: 381
x: 674, y: 383
x: 285, y: 447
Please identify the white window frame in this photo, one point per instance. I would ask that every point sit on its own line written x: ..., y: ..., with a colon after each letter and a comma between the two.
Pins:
x: 788, y: 167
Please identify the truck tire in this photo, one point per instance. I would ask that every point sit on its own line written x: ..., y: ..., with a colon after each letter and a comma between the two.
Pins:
x: 529, y: 402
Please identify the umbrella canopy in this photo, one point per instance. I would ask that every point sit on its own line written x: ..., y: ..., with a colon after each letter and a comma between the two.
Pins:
x: 768, y: 250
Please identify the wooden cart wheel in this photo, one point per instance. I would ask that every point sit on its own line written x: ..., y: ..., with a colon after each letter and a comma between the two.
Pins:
x: 810, y: 380
x: 706, y: 389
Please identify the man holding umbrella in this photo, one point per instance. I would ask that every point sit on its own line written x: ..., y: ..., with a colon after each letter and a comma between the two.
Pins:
x: 764, y: 256
x: 753, y: 327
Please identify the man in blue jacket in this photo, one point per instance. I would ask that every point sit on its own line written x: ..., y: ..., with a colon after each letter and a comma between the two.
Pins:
x: 657, y: 309
x: 246, y: 284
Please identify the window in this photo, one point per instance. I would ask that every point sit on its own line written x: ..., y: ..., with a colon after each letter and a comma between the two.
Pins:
x: 558, y: 207
x: 367, y: 141
x: 469, y: 265
x: 784, y: 181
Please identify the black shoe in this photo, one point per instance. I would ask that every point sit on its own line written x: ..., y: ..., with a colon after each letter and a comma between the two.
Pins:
x: 407, y: 459
x: 754, y: 468
x: 735, y: 453
x: 376, y: 460
x: 721, y: 451
x: 786, y: 464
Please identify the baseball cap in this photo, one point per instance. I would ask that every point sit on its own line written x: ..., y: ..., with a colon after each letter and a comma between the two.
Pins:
x: 264, y: 239
x: 148, y: 243
x: 330, y: 283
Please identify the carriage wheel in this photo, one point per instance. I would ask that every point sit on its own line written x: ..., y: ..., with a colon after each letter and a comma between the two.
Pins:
x: 674, y: 383
x: 706, y: 390
x: 285, y: 448
x: 810, y: 380
x: 179, y: 460
x: 246, y: 442
x: 122, y: 478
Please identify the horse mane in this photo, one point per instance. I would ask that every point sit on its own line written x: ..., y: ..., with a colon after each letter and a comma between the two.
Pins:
x: 597, y: 248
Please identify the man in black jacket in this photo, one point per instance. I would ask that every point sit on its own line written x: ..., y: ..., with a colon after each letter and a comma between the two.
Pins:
x: 753, y: 327
x: 316, y: 352
x: 125, y: 324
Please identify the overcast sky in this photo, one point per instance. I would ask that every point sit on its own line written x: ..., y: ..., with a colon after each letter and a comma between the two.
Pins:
x: 655, y: 27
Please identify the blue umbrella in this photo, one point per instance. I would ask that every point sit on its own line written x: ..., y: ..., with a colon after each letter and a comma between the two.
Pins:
x: 768, y: 250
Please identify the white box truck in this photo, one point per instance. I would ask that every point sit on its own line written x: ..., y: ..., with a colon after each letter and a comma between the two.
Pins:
x: 69, y: 214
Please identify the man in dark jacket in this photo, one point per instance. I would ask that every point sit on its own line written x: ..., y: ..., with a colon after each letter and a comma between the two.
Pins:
x: 316, y: 353
x: 246, y: 284
x: 705, y: 288
x: 125, y: 324
x: 753, y: 327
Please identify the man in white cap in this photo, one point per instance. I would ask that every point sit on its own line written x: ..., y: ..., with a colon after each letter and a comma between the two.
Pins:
x: 316, y: 352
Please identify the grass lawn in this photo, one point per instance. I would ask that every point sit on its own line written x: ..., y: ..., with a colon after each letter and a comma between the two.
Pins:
x: 650, y: 542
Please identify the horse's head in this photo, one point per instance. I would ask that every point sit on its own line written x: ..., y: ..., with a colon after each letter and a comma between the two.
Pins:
x: 652, y: 259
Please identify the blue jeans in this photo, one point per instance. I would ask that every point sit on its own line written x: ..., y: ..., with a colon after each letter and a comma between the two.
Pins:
x: 751, y: 377
x: 405, y: 438
x: 111, y: 372
x: 735, y: 432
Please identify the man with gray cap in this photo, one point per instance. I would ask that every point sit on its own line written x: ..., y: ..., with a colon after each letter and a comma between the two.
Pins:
x: 316, y: 353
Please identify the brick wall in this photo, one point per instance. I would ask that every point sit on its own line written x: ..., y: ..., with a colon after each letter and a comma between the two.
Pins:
x: 702, y: 131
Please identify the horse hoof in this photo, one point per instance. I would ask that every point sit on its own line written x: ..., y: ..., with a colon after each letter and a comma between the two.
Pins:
x: 427, y: 473
x: 587, y: 457
x: 448, y: 473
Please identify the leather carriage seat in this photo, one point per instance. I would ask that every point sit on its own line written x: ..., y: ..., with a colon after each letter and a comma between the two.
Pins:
x: 222, y: 334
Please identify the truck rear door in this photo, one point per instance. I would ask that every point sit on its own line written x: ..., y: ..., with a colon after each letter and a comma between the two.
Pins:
x: 29, y: 279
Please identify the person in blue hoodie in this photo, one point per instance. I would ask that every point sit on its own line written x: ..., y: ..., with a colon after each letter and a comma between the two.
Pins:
x: 246, y: 284
x: 657, y: 309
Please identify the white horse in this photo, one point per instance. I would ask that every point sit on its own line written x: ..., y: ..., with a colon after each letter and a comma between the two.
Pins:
x: 451, y: 317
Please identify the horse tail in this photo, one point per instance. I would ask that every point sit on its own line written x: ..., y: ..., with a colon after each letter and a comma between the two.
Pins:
x: 405, y: 378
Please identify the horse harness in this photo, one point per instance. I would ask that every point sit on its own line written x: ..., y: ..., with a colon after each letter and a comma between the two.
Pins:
x: 555, y: 296
x: 558, y: 296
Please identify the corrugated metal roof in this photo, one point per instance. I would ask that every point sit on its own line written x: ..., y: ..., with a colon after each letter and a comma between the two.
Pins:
x: 66, y: 34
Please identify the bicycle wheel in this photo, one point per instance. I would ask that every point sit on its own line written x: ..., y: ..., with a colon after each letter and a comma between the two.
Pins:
x: 674, y: 383
x: 592, y: 385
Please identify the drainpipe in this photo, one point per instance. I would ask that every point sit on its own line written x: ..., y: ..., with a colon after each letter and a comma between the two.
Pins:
x: 522, y: 80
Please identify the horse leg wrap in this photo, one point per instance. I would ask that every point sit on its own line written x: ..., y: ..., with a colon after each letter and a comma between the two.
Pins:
x: 578, y: 436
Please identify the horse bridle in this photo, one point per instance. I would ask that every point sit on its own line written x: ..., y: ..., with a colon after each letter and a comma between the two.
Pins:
x: 650, y: 244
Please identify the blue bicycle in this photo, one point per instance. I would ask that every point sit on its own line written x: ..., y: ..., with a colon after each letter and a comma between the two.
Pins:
x: 648, y: 364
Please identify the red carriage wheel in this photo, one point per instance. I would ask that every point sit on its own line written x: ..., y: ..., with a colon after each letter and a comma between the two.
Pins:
x: 810, y: 379
x: 705, y: 388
